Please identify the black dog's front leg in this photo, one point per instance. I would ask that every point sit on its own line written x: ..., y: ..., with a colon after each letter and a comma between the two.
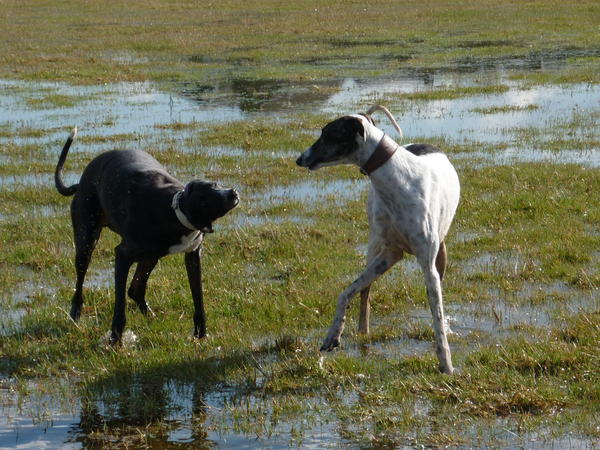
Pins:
x: 122, y: 265
x: 194, y: 272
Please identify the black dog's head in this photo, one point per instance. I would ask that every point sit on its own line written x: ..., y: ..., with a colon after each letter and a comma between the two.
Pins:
x: 203, y: 203
x: 337, y: 144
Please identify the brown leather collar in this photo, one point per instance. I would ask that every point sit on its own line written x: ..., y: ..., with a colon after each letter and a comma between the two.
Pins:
x: 384, y: 151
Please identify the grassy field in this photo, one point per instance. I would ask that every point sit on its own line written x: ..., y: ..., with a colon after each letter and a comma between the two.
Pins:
x: 183, y: 42
x: 521, y: 287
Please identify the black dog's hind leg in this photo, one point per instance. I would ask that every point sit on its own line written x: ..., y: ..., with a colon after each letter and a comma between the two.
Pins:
x: 137, y: 288
x: 194, y: 272
x: 86, y: 230
x: 123, y: 263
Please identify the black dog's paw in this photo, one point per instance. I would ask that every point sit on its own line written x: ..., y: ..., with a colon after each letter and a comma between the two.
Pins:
x: 200, y: 334
x: 145, y: 309
x: 75, y: 312
x: 330, y: 344
x: 115, y: 339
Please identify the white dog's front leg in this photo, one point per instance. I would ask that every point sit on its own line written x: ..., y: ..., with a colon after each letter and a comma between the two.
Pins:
x: 378, y: 266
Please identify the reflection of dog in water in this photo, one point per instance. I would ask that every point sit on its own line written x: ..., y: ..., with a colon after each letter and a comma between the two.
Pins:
x: 155, y: 215
x: 413, y: 197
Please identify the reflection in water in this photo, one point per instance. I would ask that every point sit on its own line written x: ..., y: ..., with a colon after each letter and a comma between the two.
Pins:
x: 118, y: 109
x: 252, y: 95
x: 133, y: 110
x: 134, y: 404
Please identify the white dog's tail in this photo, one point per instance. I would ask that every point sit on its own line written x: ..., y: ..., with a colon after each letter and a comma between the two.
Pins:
x: 374, y: 108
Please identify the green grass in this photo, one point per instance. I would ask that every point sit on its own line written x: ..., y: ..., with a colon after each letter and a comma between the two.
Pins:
x: 304, y: 41
x: 452, y: 93
x: 53, y: 100
x: 505, y: 109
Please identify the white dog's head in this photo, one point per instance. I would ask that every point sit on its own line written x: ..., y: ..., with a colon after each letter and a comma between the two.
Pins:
x: 339, y: 143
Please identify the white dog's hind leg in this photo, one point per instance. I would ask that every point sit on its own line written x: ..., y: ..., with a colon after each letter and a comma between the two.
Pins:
x: 378, y: 266
x: 434, y: 294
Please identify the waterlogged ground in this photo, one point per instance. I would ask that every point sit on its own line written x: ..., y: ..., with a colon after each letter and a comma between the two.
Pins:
x: 521, y: 289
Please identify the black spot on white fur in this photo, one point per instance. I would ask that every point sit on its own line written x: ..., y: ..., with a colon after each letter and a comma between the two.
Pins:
x: 422, y: 149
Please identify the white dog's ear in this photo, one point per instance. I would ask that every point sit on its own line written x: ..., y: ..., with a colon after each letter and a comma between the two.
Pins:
x: 363, y: 130
x: 365, y: 117
x: 355, y: 126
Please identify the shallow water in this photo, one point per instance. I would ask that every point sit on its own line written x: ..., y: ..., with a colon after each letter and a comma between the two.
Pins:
x: 15, y: 182
x: 16, y: 304
x: 456, y: 118
x: 314, y: 191
x: 190, y: 415
x: 137, y: 108
x: 123, y: 108
x: 506, y: 157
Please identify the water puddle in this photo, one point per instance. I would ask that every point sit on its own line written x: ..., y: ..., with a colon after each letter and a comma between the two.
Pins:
x: 115, y: 109
x: 460, y: 119
x: 507, y: 312
x: 10, y: 318
x: 132, y: 111
x: 100, y: 279
x: 246, y: 220
x: 17, y: 431
x: 313, y: 191
x: 488, y: 262
x: 186, y: 414
x: 15, y: 305
x: 509, y: 156
x: 42, y: 180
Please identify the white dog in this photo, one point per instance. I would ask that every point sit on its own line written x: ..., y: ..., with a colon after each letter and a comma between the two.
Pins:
x: 413, y: 197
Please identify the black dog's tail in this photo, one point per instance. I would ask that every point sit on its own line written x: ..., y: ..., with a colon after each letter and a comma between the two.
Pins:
x: 58, y: 182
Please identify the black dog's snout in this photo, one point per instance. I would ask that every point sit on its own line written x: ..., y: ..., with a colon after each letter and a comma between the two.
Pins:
x: 299, y: 161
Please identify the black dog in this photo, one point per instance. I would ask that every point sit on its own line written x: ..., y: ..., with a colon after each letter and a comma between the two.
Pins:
x: 155, y: 215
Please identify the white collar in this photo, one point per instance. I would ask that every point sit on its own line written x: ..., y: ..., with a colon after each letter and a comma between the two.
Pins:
x: 179, y: 213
